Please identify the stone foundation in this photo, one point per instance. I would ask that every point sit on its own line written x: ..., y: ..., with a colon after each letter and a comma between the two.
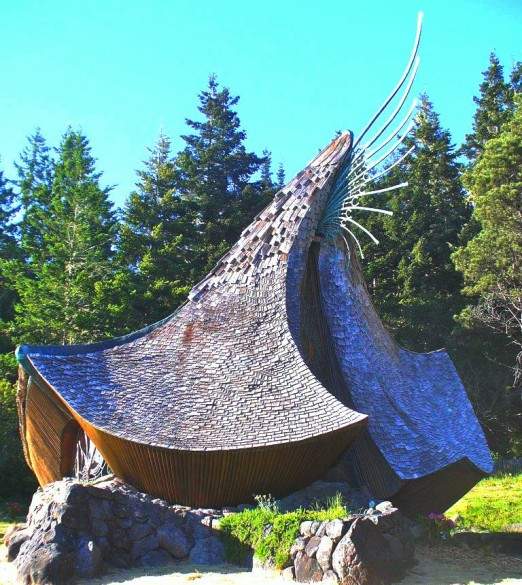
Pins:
x: 76, y: 530
x: 373, y: 548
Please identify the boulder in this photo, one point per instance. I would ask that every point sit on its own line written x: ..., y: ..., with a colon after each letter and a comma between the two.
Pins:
x: 155, y: 558
x: 144, y: 546
x: 14, y: 541
x: 12, y: 530
x: 324, y: 553
x: 306, y: 569
x: 208, y: 551
x: 174, y: 540
x: 312, y: 546
x: 89, y: 559
x: 335, y: 529
x: 45, y: 565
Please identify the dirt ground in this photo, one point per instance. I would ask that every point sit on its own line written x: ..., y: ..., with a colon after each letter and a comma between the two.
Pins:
x: 439, y: 565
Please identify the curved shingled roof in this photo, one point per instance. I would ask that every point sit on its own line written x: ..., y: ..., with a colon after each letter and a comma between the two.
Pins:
x: 223, y: 372
x: 420, y: 416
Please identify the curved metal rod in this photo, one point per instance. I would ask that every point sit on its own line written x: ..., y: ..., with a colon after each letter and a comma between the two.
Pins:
x: 389, y: 139
x: 386, y: 154
x: 373, y: 238
x: 398, y: 107
x: 377, y: 191
x: 355, y: 238
x: 388, y: 169
x: 399, y: 84
x: 374, y: 209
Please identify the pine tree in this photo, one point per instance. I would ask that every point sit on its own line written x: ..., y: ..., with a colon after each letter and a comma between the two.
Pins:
x: 156, y: 239
x: 215, y: 173
x: 280, y: 181
x: 410, y: 272
x: 35, y: 172
x: 494, y: 106
x: 8, y: 250
x: 492, y: 260
x: 59, y: 285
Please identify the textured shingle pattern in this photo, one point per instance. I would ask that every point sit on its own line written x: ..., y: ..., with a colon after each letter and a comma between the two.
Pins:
x: 419, y: 414
x: 224, y: 372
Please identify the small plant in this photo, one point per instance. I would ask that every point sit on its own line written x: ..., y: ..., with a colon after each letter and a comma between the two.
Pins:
x: 438, y: 526
x: 269, y: 532
x: 266, y: 502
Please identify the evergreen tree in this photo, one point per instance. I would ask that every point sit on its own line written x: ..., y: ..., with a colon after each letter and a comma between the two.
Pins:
x: 494, y: 106
x: 156, y: 239
x: 8, y: 250
x: 215, y: 173
x: 410, y: 272
x: 492, y: 260
x: 280, y: 181
x: 35, y: 174
x: 516, y: 79
x: 60, y: 285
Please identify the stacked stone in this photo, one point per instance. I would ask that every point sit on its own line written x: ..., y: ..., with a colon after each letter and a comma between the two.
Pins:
x: 373, y: 548
x: 75, y: 530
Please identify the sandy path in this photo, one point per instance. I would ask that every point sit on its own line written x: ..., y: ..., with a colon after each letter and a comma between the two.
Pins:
x: 437, y: 565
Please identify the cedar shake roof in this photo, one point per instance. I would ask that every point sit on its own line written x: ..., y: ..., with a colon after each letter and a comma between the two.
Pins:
x: 224, y: 371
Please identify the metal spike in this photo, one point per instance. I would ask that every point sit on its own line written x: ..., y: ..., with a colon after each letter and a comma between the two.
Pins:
x: 355, y: 238
x: 400, y: 82
x: 351, y: 220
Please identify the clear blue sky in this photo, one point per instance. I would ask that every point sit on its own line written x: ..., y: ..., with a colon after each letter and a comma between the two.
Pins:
x: 122, y: 71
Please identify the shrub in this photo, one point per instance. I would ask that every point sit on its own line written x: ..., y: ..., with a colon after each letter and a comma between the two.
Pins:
x: 17, y: 479
x: 269, y: 532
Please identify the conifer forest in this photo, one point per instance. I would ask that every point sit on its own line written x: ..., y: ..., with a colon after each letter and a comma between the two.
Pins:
x: 447, y: 272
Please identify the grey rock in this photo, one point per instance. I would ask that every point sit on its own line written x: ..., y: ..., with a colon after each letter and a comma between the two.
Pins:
x: 99, y: 528
x: 139, y: 531
x: 120, y: 559
x: 12, y: 530
x: 89, y: 559
x: 120, y: 539
x: 321, y: 531
x: 358, y: 558
x: 396, y: 550
x: 298, y: 546
x: 155, y: 558
x: 330, y: 577
x: 14, y: 541
x: 208, y: 551
x: 44, y: 565
x: 324, y: 553
x: 385, y: 506
x: 120, y: 510
x: 307, y: 570
x: 145, y: 545
x: 334, y: 529
x: 312, y: 546
x: 124, y: 523
x: 306, y: 528
x: 174, y: 540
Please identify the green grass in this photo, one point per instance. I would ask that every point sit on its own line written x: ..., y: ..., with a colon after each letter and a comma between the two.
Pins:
x: 269, y: 532
x: 494, y: 504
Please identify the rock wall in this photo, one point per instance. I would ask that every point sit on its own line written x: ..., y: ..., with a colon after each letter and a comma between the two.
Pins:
x: 364, y: 549
x: 76, y: 530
